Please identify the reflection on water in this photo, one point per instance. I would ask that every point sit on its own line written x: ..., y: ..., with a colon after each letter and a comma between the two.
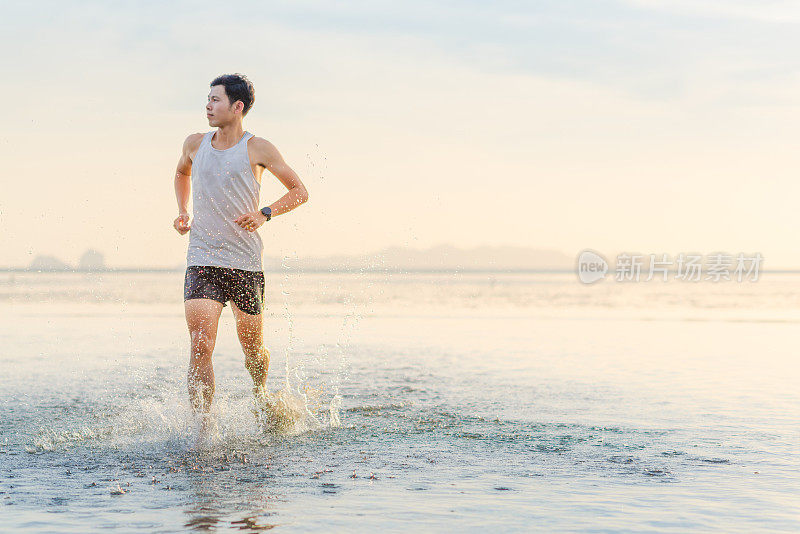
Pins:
x: 217, y: 494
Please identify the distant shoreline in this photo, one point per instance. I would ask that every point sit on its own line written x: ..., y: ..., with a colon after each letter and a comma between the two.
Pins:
x: 308, y: 270
x: 321, y: 270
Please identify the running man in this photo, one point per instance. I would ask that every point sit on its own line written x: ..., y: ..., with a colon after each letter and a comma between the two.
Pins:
x: 222, y: 171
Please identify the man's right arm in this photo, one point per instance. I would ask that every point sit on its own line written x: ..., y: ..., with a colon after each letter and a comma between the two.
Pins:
x: 183, y: 183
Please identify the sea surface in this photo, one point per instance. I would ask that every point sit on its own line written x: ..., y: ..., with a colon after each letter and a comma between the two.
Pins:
x: 440, y: 401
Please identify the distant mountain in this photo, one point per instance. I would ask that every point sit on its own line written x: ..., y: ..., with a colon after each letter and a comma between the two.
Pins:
x: 437, y: 257
x: 48, y: 263
x: 91, y: 260
x: 440, y: 257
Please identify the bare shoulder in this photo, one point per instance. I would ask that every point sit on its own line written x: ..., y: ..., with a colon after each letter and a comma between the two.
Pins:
x: 267, y: 155
x: 265, y: 152
x: 190, y: 147
x: 192, y: 144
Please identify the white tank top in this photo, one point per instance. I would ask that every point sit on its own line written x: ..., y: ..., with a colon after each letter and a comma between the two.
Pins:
x: 223, y: 188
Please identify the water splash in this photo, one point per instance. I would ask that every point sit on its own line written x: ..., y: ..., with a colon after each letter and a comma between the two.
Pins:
x: 284, y: 412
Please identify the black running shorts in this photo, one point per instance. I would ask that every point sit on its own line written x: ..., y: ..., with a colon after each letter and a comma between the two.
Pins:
x: 245, y: 288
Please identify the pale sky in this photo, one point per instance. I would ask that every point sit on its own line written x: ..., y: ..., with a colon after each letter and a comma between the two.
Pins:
x: 640, y: 125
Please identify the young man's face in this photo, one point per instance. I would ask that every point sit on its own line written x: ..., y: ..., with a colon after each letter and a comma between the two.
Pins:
x: 218, y: 109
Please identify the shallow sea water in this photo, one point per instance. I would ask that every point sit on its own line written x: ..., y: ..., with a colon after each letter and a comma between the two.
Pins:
x: 441, y: 401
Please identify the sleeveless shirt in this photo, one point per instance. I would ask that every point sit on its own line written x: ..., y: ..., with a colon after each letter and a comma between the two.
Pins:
x: 223, y: 188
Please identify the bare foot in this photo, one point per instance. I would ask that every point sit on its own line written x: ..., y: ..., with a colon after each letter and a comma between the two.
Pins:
x: 279, y: 411
x: 206, y: 428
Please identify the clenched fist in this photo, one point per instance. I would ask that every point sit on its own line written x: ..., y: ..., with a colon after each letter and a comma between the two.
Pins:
x: 251, y: 221
x: 181, y: 224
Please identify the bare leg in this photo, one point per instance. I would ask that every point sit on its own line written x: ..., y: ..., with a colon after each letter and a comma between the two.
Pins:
x: 202, y: 318
x: 250, y: 329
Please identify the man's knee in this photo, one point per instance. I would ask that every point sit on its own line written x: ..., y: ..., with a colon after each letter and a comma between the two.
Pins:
x: 202, y: 342
x: 251, y: 339
x: 254, y: 351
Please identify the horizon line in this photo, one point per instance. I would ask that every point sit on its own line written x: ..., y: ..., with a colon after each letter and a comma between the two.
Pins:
x: 346, y: 269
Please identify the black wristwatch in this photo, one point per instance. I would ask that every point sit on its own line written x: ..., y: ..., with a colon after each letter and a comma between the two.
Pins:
x: 267, y: 212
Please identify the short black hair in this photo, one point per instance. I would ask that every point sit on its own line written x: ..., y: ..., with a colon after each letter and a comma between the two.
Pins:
x: 237, y: 87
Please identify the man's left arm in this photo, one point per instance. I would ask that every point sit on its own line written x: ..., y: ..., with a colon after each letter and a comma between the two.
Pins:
x: 271, y: 159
